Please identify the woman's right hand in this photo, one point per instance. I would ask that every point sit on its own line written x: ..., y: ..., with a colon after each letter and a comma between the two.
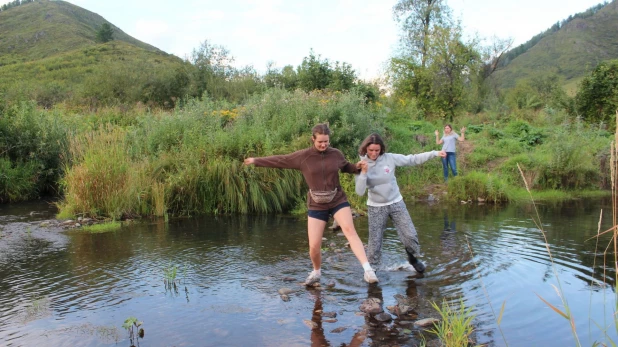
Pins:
x: 249, y: 161
x: 437, y: 133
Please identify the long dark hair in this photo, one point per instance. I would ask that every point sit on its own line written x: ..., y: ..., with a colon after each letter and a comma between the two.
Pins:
x: 373, y: 139
x: 320, y: 129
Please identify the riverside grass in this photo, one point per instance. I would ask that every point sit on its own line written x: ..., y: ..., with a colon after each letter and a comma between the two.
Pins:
x: 455, y: 328
x: 191, y: 161
x: 166, y: 158
x: 102, y: 227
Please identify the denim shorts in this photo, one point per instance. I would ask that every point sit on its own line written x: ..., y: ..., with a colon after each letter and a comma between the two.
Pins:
x: 323, y: 215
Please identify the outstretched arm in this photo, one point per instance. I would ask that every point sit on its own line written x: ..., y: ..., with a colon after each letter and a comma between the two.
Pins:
x: 286, y: 161
x: 415, y: 159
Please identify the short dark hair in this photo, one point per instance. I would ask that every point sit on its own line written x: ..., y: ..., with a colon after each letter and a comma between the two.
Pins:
x: 373, y: 139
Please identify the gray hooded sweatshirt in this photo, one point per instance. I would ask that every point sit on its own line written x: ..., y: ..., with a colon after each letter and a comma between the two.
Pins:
x: 380, y: 178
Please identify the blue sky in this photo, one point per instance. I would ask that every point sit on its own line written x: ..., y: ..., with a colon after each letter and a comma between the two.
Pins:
x: 362, y: 33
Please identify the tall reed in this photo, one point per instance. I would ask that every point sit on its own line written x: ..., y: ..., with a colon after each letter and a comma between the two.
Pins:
x: 191, y: 161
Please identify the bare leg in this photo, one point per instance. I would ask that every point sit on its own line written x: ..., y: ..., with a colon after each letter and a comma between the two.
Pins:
x: 315, y: 231
x: 344, y: 219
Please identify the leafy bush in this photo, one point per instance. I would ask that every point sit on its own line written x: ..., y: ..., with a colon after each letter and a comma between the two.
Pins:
x: 35, y: 137
x: 18, y: 181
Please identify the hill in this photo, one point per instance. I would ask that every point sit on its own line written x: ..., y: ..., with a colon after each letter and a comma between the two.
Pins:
x: 44, y: 28
x: 49, y: 53
x: 571, y: 52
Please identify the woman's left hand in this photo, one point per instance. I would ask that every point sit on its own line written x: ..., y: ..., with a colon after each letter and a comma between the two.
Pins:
x: 362, y: 165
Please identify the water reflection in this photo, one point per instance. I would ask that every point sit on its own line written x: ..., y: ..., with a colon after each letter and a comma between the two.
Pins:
x: 318, y: 318
x: 231, y: 268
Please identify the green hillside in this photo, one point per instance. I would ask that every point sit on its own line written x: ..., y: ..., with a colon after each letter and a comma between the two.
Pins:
x: 571, y: 52
x: 45, y: 28
x: 48, y: 53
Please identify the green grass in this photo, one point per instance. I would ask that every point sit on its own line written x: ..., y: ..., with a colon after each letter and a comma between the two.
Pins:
x: 455, y: 327
x: 102, y: 227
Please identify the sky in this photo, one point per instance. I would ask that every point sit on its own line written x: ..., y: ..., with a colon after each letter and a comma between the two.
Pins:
x: 362, y: 33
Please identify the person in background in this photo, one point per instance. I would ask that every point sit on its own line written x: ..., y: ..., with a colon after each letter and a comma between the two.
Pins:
x: 448, y: 140
x: 320, y: 165
x: 384, y: 199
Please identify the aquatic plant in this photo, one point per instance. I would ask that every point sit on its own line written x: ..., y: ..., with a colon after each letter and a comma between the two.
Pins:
x: 38, y: 307
x: 133, y: 327
x: 102, y: 227
x: 455, y: 327
x: 169, y: 277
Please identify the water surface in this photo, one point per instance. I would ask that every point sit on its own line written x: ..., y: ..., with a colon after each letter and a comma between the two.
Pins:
x: 72, y: 288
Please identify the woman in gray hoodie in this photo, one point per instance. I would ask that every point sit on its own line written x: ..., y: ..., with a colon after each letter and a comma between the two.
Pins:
x: 378, y: 177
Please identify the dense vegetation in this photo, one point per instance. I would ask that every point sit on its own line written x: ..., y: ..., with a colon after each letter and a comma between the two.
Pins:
x: 119, y: 130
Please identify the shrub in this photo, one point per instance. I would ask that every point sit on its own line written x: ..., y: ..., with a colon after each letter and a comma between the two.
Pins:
x: 17, y: 180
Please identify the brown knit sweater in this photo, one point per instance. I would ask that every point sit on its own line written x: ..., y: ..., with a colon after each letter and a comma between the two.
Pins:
x: 320, y: 169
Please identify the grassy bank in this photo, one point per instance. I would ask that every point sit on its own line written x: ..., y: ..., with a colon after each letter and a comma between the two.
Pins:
x: 117, y: 163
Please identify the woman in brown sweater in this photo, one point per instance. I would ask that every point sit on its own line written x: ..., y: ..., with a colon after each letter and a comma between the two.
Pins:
x: 320, y: 165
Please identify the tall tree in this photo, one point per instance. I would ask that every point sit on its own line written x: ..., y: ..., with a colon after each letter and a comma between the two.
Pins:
x: 452, y: 64
x: 314, y: 73
x: 435, y: 65
x: 213, y: 67
x: 417, y: 19
x: 105, y: 33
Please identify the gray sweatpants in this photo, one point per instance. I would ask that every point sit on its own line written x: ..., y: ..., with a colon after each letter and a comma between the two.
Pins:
x: 378, y: 216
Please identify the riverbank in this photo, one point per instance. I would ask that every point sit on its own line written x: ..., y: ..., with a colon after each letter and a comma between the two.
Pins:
x: 124, y: 164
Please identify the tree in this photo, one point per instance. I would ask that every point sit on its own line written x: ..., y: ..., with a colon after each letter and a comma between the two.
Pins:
x: 409, y: 72
x: 494, y: 54
x: 418, y: 19
x: 452, y: 65
x: 450, y: 68
x: 213, y: 67
x: 105, y: 33
x: 597, y: 97
x: 314, y: 73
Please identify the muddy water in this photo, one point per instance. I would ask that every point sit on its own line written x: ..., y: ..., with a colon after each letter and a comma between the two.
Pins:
x: 68, y: 288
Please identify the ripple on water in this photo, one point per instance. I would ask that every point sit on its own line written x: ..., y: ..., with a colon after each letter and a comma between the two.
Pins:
x: 229, y: 272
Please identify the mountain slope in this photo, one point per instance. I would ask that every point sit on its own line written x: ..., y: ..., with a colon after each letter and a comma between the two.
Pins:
x: 48, y: 53
x: 571, y: 52
x: 41, y: 29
